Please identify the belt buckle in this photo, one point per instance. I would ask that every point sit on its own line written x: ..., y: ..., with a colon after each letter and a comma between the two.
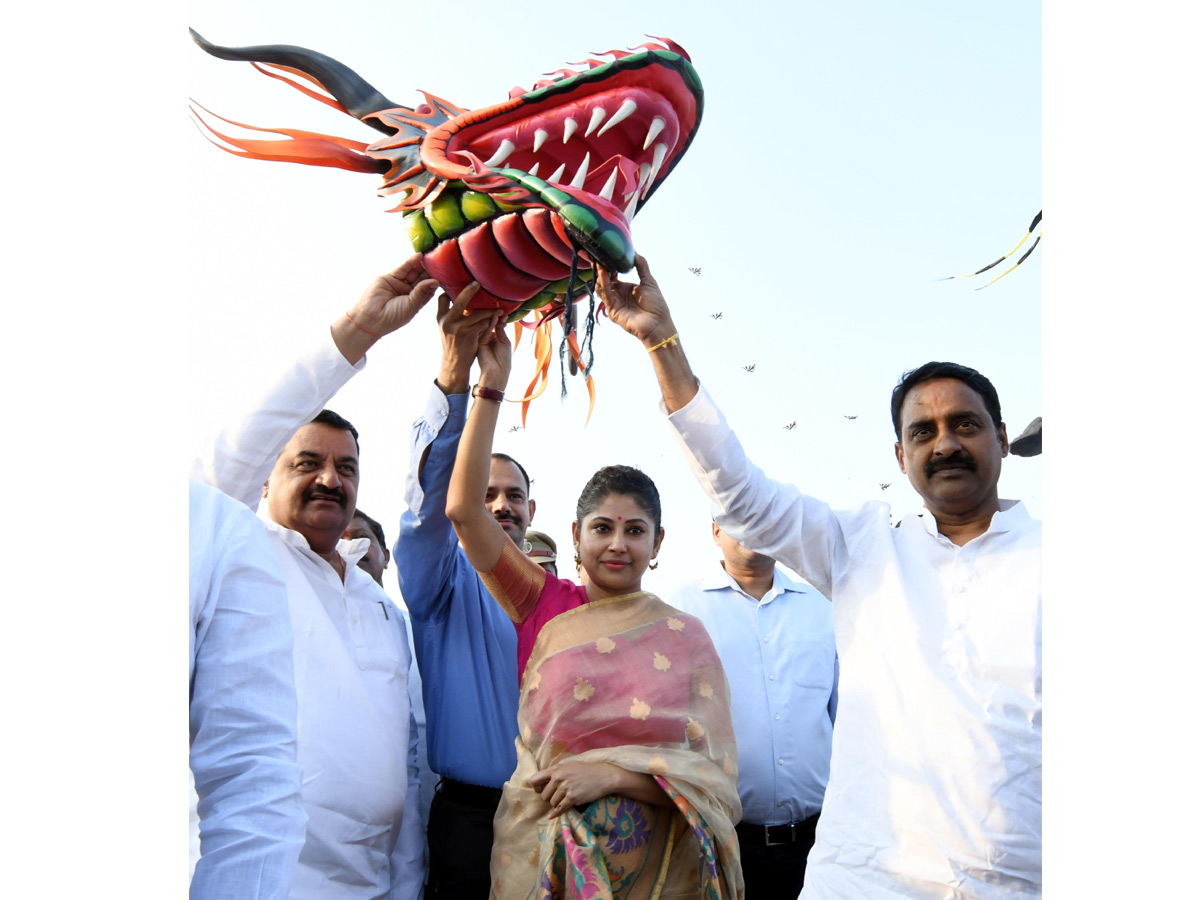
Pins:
x: 791, y: 831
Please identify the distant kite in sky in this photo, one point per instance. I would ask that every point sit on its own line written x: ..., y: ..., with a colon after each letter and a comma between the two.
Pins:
x: 527, y: 196
x: 849, y: 417
x: 1037, y: 220
x: 790, y: 425
x: 749, y: 368
x: 884, y: 486
x: 695, y: 271
x: 717, y: 315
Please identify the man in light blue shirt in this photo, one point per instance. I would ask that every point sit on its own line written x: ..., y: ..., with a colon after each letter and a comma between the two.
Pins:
x: 465, y: 643
x: 775, y: 638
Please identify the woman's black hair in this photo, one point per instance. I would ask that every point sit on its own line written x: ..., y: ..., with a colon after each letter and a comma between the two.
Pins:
x: 623, y: 480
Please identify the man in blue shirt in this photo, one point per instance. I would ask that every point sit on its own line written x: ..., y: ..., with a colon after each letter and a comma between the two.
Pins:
x: 775, y: 638
x: 466, y: 645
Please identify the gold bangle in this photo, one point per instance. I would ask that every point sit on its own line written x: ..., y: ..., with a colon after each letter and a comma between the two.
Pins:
x: 669, y: 342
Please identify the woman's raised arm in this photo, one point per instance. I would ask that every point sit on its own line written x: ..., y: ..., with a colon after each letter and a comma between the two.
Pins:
x: 480, y: 534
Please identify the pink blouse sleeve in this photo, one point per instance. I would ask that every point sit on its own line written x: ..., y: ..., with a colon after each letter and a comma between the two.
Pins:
x: 515, y: 582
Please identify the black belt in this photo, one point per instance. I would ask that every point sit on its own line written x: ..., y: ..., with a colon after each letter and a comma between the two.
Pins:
x: 778, y: 835
x: 469, y: 794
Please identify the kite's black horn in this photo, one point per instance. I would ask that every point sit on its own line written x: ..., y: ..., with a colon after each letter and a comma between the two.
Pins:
x: 357, y: 96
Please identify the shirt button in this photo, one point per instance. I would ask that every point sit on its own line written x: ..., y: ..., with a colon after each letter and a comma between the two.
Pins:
x: 776, y: 717
x: 781, y: 760
x: 353, y: 620
x: 772, y: 677
x: 766, y: 640
x: 780, y: 803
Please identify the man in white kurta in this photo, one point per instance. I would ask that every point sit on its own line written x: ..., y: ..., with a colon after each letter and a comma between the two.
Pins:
x: 935, y: 779
x: 242, y: 706
x: 356, y: 741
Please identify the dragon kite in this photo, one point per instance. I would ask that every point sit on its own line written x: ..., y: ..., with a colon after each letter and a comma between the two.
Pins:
x: 528, y: 196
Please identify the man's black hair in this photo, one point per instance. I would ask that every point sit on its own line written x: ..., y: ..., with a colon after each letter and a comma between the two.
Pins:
x: 375, y: 527
x: 934, y: 370
x: 524, y: 474
x: 333, y: 420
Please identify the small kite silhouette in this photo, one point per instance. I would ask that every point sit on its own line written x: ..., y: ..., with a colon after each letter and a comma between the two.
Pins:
x: 790, y: 425
x: 749, y: 368
x: 695, y: 271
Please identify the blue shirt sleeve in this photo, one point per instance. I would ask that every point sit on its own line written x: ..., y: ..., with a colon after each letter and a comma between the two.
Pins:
x: 425, y: 551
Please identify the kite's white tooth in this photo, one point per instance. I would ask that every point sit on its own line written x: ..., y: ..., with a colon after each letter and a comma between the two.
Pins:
x: 607, y: 191
x: 569, y: 128
x: 533, y: 171
x: 556, y: 178
x: 631, y: 206
x: 539, y: 138
x: 660, y: 153
x: 598, y: 115
x: 506, y: 147
x: 657, y: 124
x: 581, y: 175
x: 628, y: 108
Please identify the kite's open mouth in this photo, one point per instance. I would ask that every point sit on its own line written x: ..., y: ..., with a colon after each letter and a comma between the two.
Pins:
x: 604, y: 137
x: 590, y: 147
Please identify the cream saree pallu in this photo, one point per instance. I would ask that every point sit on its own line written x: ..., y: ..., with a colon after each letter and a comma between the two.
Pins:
x: 633, y: 682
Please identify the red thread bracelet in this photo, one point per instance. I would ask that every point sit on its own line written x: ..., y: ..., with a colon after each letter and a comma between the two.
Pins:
x: 360, y: 328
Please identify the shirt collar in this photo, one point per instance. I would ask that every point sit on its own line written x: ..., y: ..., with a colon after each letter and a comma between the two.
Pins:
x: 718, y: 579
x: 1011, y: 516
x: 351, y: 551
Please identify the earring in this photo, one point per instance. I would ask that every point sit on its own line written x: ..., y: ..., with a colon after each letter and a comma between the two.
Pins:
x: 577, y: 559
x: 654, y: 564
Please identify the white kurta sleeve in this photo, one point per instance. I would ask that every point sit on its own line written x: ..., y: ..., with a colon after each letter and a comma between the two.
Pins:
x: 772, y: 518
x: 241, y: 455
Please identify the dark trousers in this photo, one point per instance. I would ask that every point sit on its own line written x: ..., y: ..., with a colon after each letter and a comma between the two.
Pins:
x: 460, y: 841
x: 775, y: 872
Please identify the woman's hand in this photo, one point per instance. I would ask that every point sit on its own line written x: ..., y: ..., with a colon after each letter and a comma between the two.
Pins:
x: 638, y: 308
x: 495, y: 355
x: 574, y: 783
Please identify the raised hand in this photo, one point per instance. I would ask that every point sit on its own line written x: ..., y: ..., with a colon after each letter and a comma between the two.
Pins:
x: 389, y: 302
x: 495, y: 354
x: 461, y: 330
x: 640, y: 308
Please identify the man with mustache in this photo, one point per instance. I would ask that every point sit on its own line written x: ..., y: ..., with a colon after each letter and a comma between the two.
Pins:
x: 356, y: 739
x: 935, y: 778
x: 465, y: 643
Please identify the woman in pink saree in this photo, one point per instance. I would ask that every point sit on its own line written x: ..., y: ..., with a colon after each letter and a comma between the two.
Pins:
x: 626, y: 778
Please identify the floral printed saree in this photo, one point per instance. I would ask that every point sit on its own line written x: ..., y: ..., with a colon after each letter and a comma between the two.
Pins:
x: 633, y: 682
